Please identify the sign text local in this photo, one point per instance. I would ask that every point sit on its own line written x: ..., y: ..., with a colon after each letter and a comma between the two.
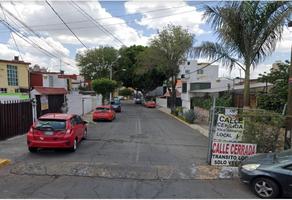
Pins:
x: 228, y: 128
x: 226, y: 153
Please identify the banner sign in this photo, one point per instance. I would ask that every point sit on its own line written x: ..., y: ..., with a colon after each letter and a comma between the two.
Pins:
x: 228, y: 153
x: 44, y: 102
x: 228, y: 128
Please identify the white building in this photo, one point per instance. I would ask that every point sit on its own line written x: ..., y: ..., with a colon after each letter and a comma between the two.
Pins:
x: 198, y: 76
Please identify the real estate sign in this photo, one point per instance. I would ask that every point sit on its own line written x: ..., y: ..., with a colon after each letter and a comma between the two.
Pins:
x: 44, y: 102
x: 228, y: 128
x: 228, y: 153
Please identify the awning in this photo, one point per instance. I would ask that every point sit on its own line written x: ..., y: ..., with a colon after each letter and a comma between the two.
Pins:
x: 49, y: 90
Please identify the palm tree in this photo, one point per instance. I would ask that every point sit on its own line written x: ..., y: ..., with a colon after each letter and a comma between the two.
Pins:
x: 247, y: 33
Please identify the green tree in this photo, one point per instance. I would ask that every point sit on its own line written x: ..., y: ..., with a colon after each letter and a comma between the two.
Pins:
x: 104, y: 86
x: 127, y: 62
x: 96, y: 63
x: 276, y: 97
x: 125, y: 92
x: 247, y: 32
x: 167, y: 51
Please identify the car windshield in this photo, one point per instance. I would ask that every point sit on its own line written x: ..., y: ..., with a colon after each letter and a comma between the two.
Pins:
x: 115, y: 102
x: 102, y: 109
x: 51, y: 124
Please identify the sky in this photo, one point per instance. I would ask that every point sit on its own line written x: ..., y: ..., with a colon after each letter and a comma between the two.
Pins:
x: 45, y: 40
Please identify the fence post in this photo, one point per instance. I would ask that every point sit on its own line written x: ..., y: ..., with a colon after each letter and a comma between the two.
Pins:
x: 34, y: 109
x: 210, y: 138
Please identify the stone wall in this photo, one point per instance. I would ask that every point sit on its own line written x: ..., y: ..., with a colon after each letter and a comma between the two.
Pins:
x: 203, y: 115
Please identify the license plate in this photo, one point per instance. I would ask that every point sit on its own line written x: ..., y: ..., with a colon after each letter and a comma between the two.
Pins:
x: 49, y: 133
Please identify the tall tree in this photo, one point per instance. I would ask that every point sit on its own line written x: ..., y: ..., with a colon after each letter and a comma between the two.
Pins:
x: 247, y: 33
x: 96, y: 63
x: 167, y: 51
x: 276, y: 97
x: 127, y: 65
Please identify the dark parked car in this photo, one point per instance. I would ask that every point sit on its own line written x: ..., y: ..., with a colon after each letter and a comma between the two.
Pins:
x: 116, y: 104
x: 138, y: 101
x: 269, y: 174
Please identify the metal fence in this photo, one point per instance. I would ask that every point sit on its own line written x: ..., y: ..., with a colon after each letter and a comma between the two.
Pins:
x: 235, y: 133
x: 15, y: 118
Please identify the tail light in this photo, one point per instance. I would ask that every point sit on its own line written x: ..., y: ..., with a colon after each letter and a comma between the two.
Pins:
x: 31, y: 130
x: 68, y: 131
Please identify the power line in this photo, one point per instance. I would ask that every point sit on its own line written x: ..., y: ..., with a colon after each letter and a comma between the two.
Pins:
x: 105, y: 18
x: 96, y: 22
x: 30, y: 29
x: 66, y: 25
x: 11, y: 34
x: 126, y: 22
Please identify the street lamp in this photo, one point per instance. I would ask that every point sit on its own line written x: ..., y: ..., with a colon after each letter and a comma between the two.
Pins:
x: 289, y: 104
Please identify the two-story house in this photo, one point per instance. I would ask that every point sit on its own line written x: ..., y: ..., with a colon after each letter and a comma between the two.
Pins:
x: 198, y: 76
x: 14, y: 76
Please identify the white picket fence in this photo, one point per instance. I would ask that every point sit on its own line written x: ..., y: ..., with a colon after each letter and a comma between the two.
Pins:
x: 82, y: 104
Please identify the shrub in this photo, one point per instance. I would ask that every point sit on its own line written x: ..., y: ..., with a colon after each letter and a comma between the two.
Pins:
x: 190, y: 116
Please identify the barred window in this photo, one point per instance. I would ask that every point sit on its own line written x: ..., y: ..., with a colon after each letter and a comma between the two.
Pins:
x: 12, y: 75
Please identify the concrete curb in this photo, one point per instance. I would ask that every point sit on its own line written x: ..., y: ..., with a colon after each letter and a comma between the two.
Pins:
x: 196, y: 127
x: 4, y: 162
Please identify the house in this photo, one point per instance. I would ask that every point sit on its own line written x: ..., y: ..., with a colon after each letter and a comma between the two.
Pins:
x: 199, y: 76
x: 52, y: 79
x: 14, y: 76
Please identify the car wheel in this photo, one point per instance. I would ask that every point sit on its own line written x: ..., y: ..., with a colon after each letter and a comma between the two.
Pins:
x: 85, y: 134
x: 32, y: 149
x: 265, y: 188
x: 74, y: 147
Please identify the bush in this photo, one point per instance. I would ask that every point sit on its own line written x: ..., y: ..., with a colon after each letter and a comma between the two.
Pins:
x: 207, y: 102
x: 264, y: 129
x: 190, y: 116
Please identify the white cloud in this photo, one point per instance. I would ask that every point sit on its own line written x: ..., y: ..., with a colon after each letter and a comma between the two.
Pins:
x: 177, y: 13
x: 285, y: 44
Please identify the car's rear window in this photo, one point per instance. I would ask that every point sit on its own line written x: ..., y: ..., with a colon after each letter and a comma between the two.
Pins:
x: 51, y: 124
x: 102, y: 109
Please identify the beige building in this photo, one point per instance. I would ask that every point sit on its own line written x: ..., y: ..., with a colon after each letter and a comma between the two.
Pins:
x: 14, y: 76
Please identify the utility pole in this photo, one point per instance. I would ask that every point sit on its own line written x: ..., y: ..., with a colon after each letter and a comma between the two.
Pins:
x: 111, y: 77
x: 288, y: 134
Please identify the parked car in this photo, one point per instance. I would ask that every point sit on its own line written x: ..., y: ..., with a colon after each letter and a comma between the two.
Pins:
x: 104, y: 113
x: 269, y: 175
x: 138, y: 100
x: 56, y: 130
x: 116, y: 104
x: 150, y: 104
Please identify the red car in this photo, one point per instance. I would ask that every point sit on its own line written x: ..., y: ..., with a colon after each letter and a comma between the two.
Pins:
x: 104, y: 113
x: 150, y: 104
x: 56, y: 130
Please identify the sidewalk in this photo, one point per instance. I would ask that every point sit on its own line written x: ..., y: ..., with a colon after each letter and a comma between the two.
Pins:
x: 203, y: 129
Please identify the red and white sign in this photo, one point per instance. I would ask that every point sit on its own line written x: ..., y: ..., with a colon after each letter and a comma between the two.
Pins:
x: 227, y: 153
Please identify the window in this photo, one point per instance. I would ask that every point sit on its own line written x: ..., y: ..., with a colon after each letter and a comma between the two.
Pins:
x: 184, y: 87
x: 200, y: 71
x: 12, y: 75
x: 188, y: 62
x: 49, y: 124
x: 200, y: 86
x: 73, y: 121
x: 187, y: 71
x: 51, y: 81
x: 3, y: 90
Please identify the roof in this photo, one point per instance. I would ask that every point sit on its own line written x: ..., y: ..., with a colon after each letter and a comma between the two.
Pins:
x: 236, y: 87
x: 58, y: 116
x: 49, y: 90
x: 15, y: 62
x: 178, y: 94
x: 71, y: 76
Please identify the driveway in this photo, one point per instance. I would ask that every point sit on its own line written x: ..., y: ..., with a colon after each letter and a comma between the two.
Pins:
x: 144, y: 153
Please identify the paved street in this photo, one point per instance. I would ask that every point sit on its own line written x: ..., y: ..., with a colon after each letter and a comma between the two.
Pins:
x: 144, y: 153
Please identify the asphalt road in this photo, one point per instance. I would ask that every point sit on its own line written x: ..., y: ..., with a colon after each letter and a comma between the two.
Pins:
x: 144, y: 153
